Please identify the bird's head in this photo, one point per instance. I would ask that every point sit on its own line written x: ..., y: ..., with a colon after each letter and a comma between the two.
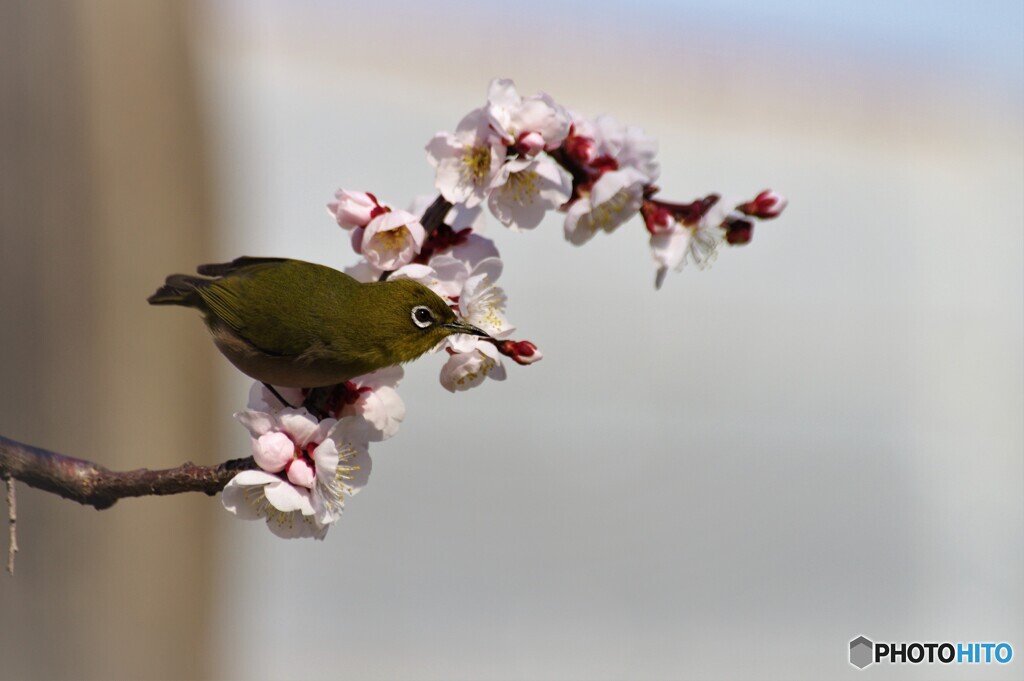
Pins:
x: 415, y: 319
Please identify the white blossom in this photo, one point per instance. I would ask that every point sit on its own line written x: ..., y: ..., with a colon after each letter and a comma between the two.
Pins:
x: 526, y: 189
x: 675, y: 245
x: 615, y: 198
x: 467, y: 162
x: 465, y: 370
x: 531, y: 124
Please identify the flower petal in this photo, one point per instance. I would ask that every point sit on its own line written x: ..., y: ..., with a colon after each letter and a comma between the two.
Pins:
x: 463, y: 371
x: 299, y: 424
x: 235, y: 498
x: 257, y: 422
x: 287, y: 498
x: 251, y: 477
x: 295, y: 526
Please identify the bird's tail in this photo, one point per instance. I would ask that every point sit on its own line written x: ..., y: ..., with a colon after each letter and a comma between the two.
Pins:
x: 179, y: 289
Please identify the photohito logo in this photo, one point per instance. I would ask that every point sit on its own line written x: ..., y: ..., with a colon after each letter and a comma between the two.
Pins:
x: 863, y: 651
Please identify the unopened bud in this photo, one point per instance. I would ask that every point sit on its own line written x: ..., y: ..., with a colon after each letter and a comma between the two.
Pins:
x: 301, y: 473
x: 353, y: 209
x: 766, y: 205
x: 738, y: 232
x: 521, y: 352
x: 530, y: 144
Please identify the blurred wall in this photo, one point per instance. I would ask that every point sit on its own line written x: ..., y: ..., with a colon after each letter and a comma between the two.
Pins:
x: 102, y: 193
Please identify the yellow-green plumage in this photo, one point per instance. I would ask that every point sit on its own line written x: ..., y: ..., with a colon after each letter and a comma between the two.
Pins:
x: 297, y: 324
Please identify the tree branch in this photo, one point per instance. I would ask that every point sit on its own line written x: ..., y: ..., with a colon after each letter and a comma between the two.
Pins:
x: 12, y: 519
x: 93, y: 485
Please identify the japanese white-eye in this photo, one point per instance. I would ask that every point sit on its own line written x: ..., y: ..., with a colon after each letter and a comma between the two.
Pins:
x: 301, y: 325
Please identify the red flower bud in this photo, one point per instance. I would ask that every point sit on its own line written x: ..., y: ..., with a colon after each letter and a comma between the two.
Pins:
x: 521, y: 352
x: 766, y: 205
x: 738, y: 232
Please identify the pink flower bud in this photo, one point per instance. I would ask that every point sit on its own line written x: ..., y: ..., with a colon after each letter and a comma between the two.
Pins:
x: 766, y: 205
x: 354, y: 209
x: 272, y: 451
x: 301, y: 473
x: 530, y: 144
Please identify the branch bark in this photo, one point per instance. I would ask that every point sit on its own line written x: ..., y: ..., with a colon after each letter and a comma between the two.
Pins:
x: 12, y: 520
x: 93, y: 485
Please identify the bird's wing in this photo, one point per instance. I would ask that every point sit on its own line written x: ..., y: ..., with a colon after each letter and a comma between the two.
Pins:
x: 278, y: 305
x: 222, y: 269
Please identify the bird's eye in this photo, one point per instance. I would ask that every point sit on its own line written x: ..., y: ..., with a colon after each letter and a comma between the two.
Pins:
x: 422, y: 316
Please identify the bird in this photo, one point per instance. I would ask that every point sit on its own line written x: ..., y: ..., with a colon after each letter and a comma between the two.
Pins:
x: 296, y: 324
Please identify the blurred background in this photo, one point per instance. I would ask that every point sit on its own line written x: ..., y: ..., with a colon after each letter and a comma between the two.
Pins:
x: 819, y: 437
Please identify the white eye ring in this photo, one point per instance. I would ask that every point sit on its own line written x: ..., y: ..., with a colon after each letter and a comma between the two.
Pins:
x: 422, y: 316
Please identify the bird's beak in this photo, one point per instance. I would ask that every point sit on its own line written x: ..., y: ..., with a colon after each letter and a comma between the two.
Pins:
x: 462, y: 327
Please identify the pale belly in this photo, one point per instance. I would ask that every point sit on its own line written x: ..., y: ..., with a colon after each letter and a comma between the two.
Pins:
x: 287, y: 372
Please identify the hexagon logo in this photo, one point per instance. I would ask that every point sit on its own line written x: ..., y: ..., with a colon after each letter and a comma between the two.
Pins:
x: 861, y: 649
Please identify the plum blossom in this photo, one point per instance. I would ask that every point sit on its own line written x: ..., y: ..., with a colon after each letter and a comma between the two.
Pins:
x: 470, y: 251
x: 373, y: 398
x: 392, y: 239
x: 614, y: 199
x: 353, y: 209
x: 676, y: 243
x: 467, y: 162
x: 481, y: 303
x: 306, y: 470
x: 465, y: 370
x: 526, y: 189
x: 447, y: 271
x: 530, y: 124
x: 628, y: 145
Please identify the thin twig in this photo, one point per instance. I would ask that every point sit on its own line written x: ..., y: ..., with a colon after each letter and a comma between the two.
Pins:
x: 93, y: 485
x: 12, y: 515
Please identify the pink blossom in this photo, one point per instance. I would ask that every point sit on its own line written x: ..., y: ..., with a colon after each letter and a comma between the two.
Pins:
x: 322, y: 463
x: 530, y: 124
x: 353, y: 209
x: 392, y: 239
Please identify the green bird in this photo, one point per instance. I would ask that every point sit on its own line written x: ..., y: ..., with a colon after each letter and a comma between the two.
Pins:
x: 300, y: 325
